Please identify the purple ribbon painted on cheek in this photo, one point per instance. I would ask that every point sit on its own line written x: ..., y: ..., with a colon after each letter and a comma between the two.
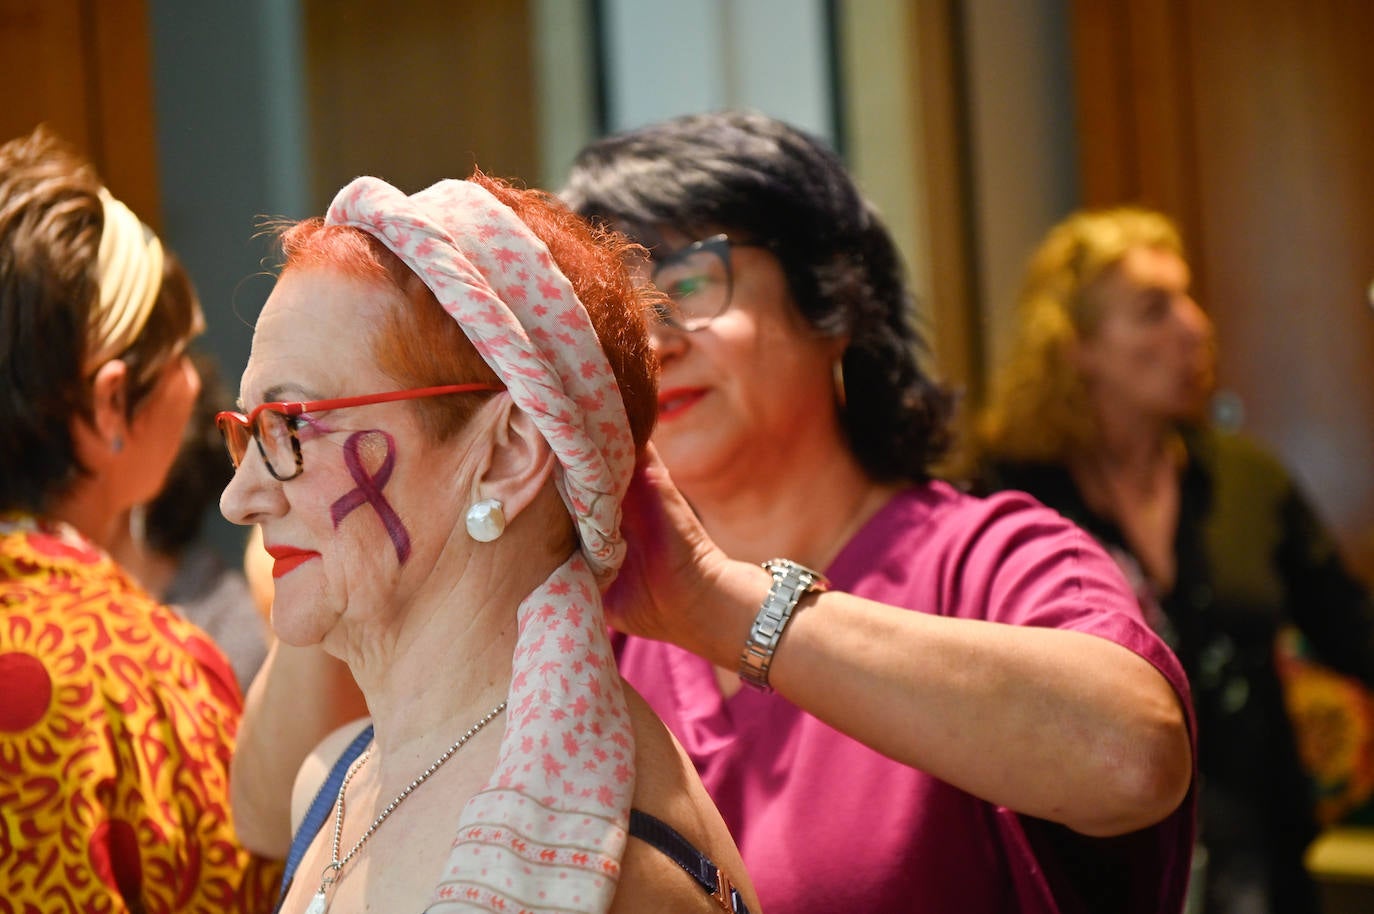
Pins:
x: 369, y: 490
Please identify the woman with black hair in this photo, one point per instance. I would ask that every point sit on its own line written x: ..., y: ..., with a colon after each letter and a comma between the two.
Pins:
x: 973, y: 715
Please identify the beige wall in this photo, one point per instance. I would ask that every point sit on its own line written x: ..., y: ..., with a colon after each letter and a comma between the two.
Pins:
x: 959, y: 123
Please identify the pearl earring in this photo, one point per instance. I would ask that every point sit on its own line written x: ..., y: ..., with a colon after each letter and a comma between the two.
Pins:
x: 486, y: 520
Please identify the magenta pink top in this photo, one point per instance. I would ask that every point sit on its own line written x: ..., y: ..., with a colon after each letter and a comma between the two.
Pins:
x: 826, y: 824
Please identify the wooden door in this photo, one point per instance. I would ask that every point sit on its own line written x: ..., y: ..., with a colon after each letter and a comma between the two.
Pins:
x: 84, y: 68
x: 1252, y: 123
x: 418, y: 91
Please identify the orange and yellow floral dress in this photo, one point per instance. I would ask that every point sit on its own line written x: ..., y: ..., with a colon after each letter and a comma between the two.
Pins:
x: 117, y: 721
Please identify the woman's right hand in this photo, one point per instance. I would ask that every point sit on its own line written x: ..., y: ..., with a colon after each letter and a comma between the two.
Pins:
x: 675, y: 583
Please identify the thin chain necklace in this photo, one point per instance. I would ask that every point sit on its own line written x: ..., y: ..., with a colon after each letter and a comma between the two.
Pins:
x: 319, y: 903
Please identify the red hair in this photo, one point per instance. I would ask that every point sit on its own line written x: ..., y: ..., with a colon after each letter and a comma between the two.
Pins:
x: 423, y: 346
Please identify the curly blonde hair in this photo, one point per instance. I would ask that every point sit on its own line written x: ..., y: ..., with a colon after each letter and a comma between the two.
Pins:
x: 1038, y: 410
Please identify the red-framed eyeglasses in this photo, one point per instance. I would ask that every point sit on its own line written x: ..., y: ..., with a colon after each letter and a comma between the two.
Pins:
x: 273, y: 425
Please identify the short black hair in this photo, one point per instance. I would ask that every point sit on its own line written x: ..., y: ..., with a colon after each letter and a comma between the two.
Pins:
x: 740, y: 171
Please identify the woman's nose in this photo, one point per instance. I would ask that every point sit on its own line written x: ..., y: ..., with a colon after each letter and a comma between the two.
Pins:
x: 1195, y: 320
x: 252, y: 493
x: 666, y: 339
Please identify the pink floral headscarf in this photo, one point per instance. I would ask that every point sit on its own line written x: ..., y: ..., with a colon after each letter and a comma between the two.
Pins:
x: 547, y: 832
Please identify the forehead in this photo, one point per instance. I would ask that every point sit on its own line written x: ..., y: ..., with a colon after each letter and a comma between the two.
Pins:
x: 1154, y: 268
x: 315, y: 335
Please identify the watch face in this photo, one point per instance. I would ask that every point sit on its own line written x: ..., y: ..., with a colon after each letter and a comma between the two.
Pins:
x: 808, y: 578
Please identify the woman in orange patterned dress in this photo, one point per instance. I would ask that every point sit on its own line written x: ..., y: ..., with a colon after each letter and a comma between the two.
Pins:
x: 117, y: 717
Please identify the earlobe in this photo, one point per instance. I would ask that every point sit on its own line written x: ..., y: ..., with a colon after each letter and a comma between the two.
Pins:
x: 109, y: 392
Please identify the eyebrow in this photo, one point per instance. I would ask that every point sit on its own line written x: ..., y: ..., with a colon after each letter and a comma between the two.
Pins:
x: 282, y: 393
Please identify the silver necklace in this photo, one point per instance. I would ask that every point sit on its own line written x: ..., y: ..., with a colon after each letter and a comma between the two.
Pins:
x: 319, y: 902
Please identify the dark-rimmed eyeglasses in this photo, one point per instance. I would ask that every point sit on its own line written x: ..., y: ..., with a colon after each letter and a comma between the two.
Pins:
x: 698, y: 280
x: 273, y: 425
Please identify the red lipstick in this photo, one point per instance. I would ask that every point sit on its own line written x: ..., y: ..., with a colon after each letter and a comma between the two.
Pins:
x: 288, y: 558
x: 675, y: 401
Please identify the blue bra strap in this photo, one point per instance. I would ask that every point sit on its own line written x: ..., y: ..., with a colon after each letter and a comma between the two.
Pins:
x: 320, y: 807
x: 657, y: 833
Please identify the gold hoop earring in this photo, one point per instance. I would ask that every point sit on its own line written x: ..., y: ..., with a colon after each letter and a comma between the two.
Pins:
x: 837, y: 371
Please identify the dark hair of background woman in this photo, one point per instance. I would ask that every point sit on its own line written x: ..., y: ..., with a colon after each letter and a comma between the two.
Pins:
x: 757, y: 178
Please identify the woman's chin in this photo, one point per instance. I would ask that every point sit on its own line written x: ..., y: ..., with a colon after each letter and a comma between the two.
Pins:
x: 690, y: 455
x: 290, y: 628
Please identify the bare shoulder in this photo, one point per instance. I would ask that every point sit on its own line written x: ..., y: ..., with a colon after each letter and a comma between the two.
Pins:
x: 315, y: 768
x: 667, y: 787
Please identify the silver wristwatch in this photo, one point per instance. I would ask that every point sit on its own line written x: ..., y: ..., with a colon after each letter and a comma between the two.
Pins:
x: 791, y: 582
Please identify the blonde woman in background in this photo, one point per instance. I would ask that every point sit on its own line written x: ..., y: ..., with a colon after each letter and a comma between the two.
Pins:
x: 1100, y: 413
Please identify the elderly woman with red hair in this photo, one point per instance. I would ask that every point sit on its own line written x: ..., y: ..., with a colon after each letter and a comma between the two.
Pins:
x: 445, y: 400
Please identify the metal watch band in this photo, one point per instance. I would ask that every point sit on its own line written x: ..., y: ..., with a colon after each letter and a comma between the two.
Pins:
x: 791, y: 581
